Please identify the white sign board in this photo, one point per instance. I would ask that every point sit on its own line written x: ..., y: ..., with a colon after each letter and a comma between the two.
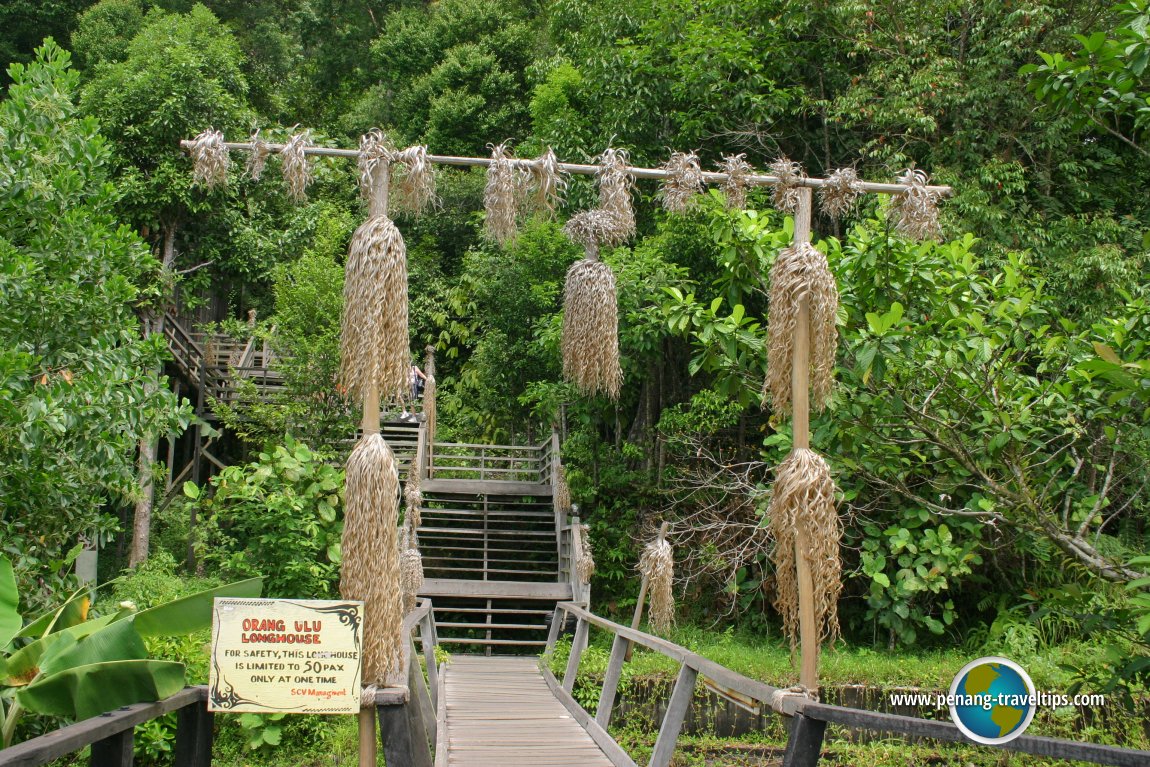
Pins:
x: 286, y: 656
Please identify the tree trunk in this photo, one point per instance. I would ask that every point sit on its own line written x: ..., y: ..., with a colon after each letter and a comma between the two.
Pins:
x: 149, y: 444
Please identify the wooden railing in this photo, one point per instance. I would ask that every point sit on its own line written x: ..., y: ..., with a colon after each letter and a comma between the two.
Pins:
x: 808, y: 718
x: 406, y: 715
x: 508, y: 463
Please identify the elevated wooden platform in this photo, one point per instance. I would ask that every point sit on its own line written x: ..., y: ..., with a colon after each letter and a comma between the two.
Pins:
x: 486, y: 487
x: 500, y: 712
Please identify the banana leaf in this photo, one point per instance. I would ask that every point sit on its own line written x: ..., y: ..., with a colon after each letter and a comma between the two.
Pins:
x: 10, y: 621
x: 118, y: 641
x: 24, y: 664
x: 73, y: 612
x: 87, y: 691
x: 192, y: 613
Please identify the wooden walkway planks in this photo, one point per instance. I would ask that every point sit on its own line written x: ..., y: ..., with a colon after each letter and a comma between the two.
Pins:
x: 500, y: 712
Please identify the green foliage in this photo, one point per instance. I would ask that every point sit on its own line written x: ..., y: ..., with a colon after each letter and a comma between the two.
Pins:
x: 74, y: 399
x: 263, y: 731
x: 278, y: 517
x: 104, y: 31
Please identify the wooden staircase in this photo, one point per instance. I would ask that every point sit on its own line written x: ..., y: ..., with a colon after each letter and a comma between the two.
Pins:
x: 495, y: 553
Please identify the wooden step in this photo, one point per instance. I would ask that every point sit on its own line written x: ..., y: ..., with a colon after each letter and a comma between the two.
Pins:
x: 486, y: 487
x: 452, y: 587
x: 528, y: 626
x: 516, y: 610
x: 503, y: 642
x: 470, y: 531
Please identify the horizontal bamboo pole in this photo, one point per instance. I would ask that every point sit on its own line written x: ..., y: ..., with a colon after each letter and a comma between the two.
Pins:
x: 579, y: 169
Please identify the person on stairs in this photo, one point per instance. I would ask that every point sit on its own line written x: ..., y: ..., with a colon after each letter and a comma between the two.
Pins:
x: 418, y: 379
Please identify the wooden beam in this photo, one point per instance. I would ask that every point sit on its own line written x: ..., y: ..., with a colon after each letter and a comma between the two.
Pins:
x: 194, y: 735
x: 619, y: 649
x: 602, y: 738
x: 578, y: 642
x: 113, y: 751
x: 676, y: 714
x: 805, y: 742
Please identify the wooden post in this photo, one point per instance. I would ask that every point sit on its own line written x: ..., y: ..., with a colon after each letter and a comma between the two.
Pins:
x: 805, y: 742
x: 194, y: 733
x: 577, y: 644
x: 114, y: 750
x: 677, y: 709
x: 619, y: 649
x: 663, y: 528
x: 801, y: 430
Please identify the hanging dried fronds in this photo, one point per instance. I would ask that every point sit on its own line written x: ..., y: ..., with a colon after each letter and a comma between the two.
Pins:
x: 210, y: 159
x: 415, y: 182
x: 370, y: 568
x: 917, y: 207
x: 546, y: 184
x: 591, y: 329
x: 738, y: 172
x: 257, y: 157
x: 594, y: 229
x: 839, y: 196
x: 297, y: 166
x: 375, y: 150
x: 374, y: 335
x: 585, y: 566
x: 413, y: 494
x: 786, y: 193
x: 501, y: 196
x: 410, y: 566
x: 561, y: 493
x: 802, y: 511
x: 429, y: 411
x: 684, y: 182
x: 615, y: 184
x: 657, y: 565
x: 800, y: 272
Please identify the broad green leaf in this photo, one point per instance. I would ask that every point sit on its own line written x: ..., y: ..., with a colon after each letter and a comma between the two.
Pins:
x: 192, y: 613
x: 24, y: 664
x: 118, y: 641
x: 1106, y: 353
x: 192, y: 490
x: 87, y: 691
x: 10, y: 621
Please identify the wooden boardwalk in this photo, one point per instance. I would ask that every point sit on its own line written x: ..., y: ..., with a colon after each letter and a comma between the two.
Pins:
x: 501, y: 712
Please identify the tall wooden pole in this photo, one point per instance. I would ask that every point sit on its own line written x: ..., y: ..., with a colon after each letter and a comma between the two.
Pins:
x: 643, y: 584
x: 377, y: 206
x: 801, y: 431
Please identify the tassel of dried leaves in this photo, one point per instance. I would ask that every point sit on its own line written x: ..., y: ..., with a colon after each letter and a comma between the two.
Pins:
x: 594, y: 229
x: 684, y: 182
x: 374, y: 335
x: 410, y: 567
x: 839, y: 196
x: 802, y: 511
x: 413, y: 494
x: 800, y: 272
x: 297, y: 167
x: 591, y: 329
x: 501, y: 196
x: 370, y: 568
x: 738, y: 172
x: 786, y: 193
x: 429, y: 412
x: 257, y: 157
x: 415, y: 184
x: 657, y: 564
x: 210, y: 160
x: 561, y: 494
x: 546, y: 184
x: 585, y: 566
x: 615, y: 184
x: 375, y: 149
x: 917, y: 207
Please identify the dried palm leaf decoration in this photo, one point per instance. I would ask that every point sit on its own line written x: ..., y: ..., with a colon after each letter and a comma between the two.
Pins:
x: 786, y: 193
x: 410, y: 566
x: 917, y: 207
x: 370, y: 568
x: 657, y: 564
x: 257, y: 157
x: 800, y: 271
x: 802, y: 511
x: 585, y: 566
x: 683, y: 183
x: 415, y: 181
x: 374, y: 340
x: 839, y: 196
x: 738, y: 172
x: 615, y: 184
x: 561, y: 495
x: 297, y: 167
x: 500, y: 196
x: 429, y: 407
x: 546, y: 184
x: 590, y: 314
x: 210, y: 160
x: 413, y: 493
x: 375, y: 155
